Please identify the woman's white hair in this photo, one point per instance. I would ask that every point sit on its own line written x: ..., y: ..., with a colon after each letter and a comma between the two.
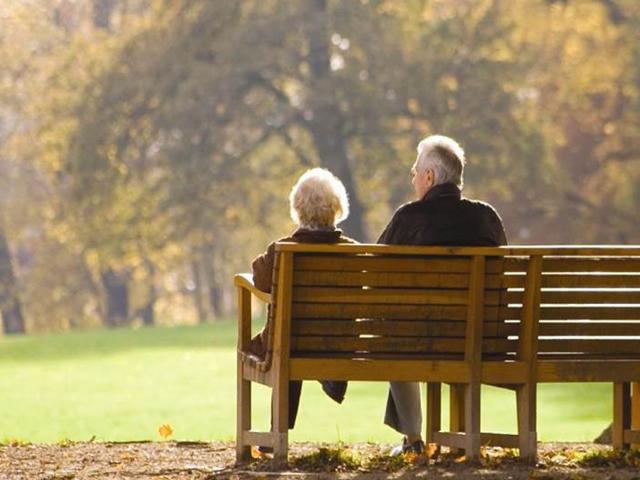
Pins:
x: 318, y: 200
x: 444, y: 156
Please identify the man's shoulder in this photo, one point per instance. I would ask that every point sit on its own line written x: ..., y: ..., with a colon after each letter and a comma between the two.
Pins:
x: 409, y: 208
x: 478, y: 205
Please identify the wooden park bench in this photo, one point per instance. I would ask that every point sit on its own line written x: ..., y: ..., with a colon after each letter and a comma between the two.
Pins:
x: 465, y: 316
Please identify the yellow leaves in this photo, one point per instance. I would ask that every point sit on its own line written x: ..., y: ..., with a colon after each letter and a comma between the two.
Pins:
x: 257, y: 454
x: 165, y: 431
x: 431, y: 450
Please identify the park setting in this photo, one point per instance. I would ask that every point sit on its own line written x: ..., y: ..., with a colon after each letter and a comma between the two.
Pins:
x: 319, y: 238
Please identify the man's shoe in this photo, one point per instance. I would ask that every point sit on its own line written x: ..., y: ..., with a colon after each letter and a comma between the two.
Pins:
x: 416, y: 448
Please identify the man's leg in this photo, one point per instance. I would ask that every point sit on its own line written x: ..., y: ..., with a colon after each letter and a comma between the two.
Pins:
x: 404, y: 412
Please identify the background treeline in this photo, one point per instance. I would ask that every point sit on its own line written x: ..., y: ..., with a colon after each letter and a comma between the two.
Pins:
x: 147, y: 146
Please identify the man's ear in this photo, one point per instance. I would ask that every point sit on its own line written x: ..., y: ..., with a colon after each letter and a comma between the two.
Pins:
x: 430, y: 177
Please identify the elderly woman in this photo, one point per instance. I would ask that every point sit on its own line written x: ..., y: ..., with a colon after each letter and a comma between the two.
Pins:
x: 318, y: 201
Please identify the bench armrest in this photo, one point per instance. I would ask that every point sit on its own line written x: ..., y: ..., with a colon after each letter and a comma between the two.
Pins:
x: 245, y: 280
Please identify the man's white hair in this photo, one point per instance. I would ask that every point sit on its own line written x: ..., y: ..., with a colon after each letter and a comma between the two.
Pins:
x: 444, y: 156
x: 318, y: 200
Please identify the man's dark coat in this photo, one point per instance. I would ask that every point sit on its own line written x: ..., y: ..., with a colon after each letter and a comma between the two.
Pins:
x: 442, y: 218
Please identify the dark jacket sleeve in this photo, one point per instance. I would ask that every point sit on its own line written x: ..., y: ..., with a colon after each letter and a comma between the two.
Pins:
x: 500, y: 235
x: 262, y: 267
x: 390, y: 233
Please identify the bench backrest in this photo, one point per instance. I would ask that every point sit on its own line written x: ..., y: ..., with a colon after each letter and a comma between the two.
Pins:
x: 398, y: 302
x: 590, y: 308
x: 374, y: 301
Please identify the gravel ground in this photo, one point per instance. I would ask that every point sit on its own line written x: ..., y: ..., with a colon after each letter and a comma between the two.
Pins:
x: 194, y: 460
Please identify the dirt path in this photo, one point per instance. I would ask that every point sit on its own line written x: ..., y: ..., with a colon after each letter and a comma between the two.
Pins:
x: 186, y: 460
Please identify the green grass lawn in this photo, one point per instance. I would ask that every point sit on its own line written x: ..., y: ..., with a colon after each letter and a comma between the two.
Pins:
x: 124, y: 384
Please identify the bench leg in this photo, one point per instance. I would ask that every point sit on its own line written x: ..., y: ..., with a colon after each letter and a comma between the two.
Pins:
x: 434, y: 412
x: 243, y: 416
x: 635, y: 409
x: 527, y: 436
x: 456, y: 411
x: 472, y: 421
x: 280, y: 423
x: 621, y: 413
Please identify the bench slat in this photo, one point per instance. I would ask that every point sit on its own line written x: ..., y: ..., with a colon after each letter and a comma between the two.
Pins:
x: 588, y: 371
x: 572, y: 280
x: 622, y: 264
x: 391, y: 328
x: 382, y: 264
x: 590, y: 297
x: 589, y: 328
x: 365, y: 310
x: 602, y: 346
x: 614, y: 312
x: 398, y: 296
x: 393, y: 345
x: 389, y: 279
x: 381, y: 295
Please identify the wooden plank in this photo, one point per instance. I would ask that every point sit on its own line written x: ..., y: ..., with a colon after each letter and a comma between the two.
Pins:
x: 512, y: 372
x: 635, y: 409
x: 546, y: 250
x: 281, y: 348
x: 586, y: 280
x: 613, y: 312
x: 631, y: 437
x: 504, y: 440
x: 243, y: 392
x: 596, y: 264
x: 601, y: 357
x: 377, y: 344
x: 397, y: 296
x: 389, y: 279
x: 378, y: 370
x: 454, y: 439
x: 434, y: 410
x: 590, y: 345
x: 394, y: 345
x: 245, y: 280
x: 258, y: 376
x: 263, y: 439
x: 399, y: 312
x: 590, y: 297
x: 528, y: 346
x: 514, y: 264
x: 589, y: 328
x: 621, y: 414
x: 473, y: 356
x: 382, y: 264
x: 382, y: 295
x: 456, y: 406
x: 396, y: 328
x: 392, y: 328
x: 588, y: 371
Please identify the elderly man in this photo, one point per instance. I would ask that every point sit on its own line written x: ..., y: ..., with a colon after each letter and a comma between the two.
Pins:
x: 440, y: 215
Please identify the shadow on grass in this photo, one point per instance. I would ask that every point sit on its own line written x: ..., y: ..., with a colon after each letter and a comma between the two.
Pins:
x: 70, y: 345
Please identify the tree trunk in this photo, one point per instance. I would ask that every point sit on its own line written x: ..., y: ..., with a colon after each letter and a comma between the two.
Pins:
x: 328, y: 127
x: 10, y: 308
x: 198, y: 292
x: 214, y: 295
x: 117, y: 297
x: 215, y: 299
x: 147, y: 313
x: 102, y: 10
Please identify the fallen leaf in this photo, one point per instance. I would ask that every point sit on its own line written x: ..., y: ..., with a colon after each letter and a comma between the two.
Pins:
x: 431, y: 450
x: 256, y: 454
x: 165, y: 431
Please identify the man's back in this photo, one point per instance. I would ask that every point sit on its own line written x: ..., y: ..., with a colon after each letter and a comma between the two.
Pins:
x: 444, y: 218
